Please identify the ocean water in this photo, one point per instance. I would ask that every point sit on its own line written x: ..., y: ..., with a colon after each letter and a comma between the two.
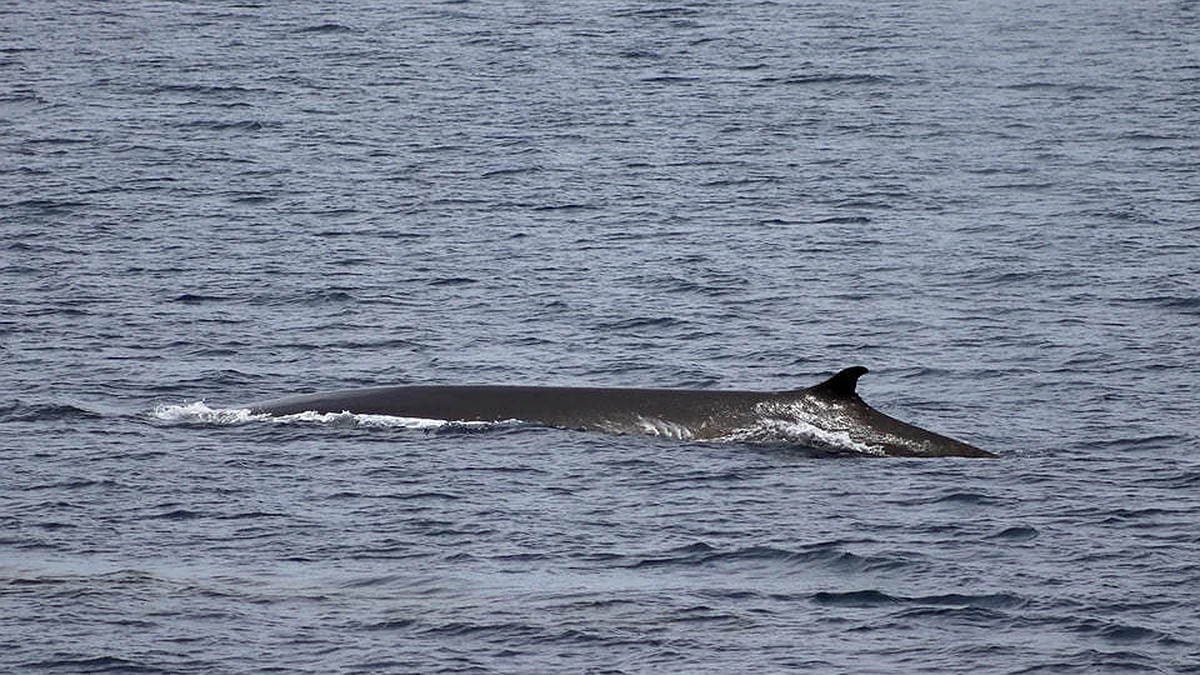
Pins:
x: 994, y: 206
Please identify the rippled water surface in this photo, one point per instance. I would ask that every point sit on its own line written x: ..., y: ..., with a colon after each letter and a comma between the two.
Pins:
x: 994, y: 206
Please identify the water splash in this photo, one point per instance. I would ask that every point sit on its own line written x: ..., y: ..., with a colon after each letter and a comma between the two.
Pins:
x: 200, y: 413
x: 773, y: 430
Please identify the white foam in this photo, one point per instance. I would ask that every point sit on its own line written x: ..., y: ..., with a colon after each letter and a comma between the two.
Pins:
x: 775, y: 430
x: 356, y: 420
x: 200, y: 413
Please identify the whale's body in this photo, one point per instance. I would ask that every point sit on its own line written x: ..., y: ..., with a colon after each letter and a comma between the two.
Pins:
x: 830, y: 414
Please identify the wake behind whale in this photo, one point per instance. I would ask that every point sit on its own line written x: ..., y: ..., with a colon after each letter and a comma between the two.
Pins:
x: 829, y: 415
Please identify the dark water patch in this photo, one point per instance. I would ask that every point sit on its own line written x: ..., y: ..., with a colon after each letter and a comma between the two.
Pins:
x: 1124, y: 634
x: 876, y: 598
x: 88, y: 584
x: 512, y: 171
x: 1018, y: 533
x: 972, y: 498
x: 246, y: 126
x: 991, y: 601
x: 1177, y: 480
x: 70, y: 663
x: 400, y: 624
x: 827, y: 556
x: 864, y: 598
x: 739, y: 181
x: 508, y: 630
x: 641, y: 322
x: 21, y: 411
x: 1152, y: 442
x: 326, y: 28
x: 213, y: 90
x: 522, y: 558
x: 199, y: 298
x: 368, y: 582
x: 73, y: 484
x: 708, y: 615
x: 958, y: 615
x: 1095, y: 660
x: 843, y: 220
x: 329, y: 296
x: 438, y: 496
x: 1184, y: 304
x: 177, y: 514
x: 1148, y: 517
x: 57, y: 140
x: 566, y: 207
x: 836, y: 557
x: 216, y: 379
x: 637, y: 53
x: 956, y: 498
x: 453, y: 281
x: 670, y: 79
x: 48, y: 206
x: 684, y: 555
x: 832, y: 78
x: 250, y: 515
x: 54, y: 525
x: 671, y: 11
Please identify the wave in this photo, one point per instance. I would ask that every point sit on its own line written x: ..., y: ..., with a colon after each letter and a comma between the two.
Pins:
x: 874, y: 598
x: 20, y: 411
x: 831, y: 555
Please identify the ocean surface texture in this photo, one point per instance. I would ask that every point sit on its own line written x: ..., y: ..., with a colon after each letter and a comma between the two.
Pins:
x: 995, y: 206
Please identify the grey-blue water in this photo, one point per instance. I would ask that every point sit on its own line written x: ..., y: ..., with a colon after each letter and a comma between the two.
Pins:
x: 994, y: 206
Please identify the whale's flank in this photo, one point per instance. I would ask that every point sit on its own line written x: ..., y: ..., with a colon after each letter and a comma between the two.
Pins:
x: 830, y: 409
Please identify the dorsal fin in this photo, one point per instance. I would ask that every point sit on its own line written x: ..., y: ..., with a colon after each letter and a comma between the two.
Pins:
x: 842, y: 384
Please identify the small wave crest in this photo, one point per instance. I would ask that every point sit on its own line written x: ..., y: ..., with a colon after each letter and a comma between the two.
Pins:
x: 21, y: 411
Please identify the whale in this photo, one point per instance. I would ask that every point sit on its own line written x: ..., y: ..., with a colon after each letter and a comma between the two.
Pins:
x: 829, y: 416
